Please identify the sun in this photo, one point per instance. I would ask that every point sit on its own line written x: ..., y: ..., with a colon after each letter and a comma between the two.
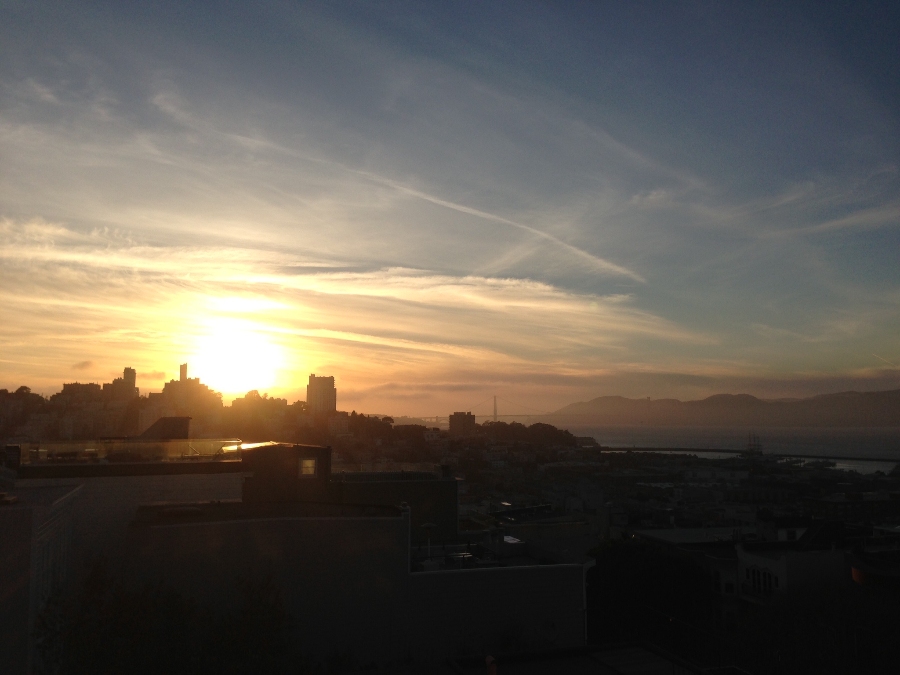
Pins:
x: 234, y: 357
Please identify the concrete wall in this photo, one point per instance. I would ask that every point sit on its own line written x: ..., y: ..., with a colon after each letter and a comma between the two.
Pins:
x: 344, y: 580
x: 15, y: 582
x: 105, y: 506
x: 347, y: 584
x: 35, y: 545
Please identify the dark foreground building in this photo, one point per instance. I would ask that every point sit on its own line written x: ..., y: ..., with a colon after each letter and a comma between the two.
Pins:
x: 369, y: 566
x: 302, y: 473
x: 342, y: 552
x: 35, y: 552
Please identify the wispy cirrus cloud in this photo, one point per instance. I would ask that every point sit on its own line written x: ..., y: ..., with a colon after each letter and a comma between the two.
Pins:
x: 408, y: 197
x: 60, y: 282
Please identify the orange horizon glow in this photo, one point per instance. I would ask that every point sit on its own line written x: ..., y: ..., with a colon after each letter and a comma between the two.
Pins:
x: 236, y: 356
x: 398, y: 341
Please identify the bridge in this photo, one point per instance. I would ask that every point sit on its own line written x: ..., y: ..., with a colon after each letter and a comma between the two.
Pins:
x: 489, y: 409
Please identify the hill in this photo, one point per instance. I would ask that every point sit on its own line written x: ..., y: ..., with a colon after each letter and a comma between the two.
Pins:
x: 845, y: 409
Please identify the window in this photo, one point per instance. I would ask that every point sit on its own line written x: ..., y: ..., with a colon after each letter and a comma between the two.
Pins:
x: 307, y: 468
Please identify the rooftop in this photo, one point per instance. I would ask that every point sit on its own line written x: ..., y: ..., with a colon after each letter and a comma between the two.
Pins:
x: 136, y: 468
x: 27, y: 497
x: 224, y: 511
x: 625, y: 660
x: 688, y: 535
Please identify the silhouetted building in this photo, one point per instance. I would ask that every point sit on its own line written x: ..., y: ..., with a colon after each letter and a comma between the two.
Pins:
x: 73, y: 392
x: 258, y: 417
x: 185, y: 397
x: 321, y: 396
x: 876, y: 561
x: 339, y: 424
x: 88, y: 410
x: 818, y: 558
x: 342, y: 551
x: 462, y: 425
x: 292, y: 473
x: 168, y: 428
x: 122, y: 388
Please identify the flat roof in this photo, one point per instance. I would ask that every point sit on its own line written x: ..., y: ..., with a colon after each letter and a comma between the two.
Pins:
x: 382, y: 476
x: 688, y: 535
x: 167, y: 514
x: 626, y: 660
x: 30, y: 496
x: 148, y: 468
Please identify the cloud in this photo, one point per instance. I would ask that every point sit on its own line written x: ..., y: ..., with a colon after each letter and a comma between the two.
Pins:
x: 107, y: 288
x: 598, y: 264
x: 82, y: 365
x: 397, y: 201
x: 111, y: 289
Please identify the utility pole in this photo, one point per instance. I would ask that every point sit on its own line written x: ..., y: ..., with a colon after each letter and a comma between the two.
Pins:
x: 495, y: 407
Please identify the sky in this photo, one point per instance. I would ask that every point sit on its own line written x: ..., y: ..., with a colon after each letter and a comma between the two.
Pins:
x: 440, y: 202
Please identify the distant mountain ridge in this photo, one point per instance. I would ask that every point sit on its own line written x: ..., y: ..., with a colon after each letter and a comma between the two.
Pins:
x: 845, y: 409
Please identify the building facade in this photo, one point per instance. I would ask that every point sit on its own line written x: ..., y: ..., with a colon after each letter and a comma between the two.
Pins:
x: 462, y: 425
x: 321, y: 396
x: 342, y: 550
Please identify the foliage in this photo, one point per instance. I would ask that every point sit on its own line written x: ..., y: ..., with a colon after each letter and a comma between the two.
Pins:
x: 17, y: 407
x: 537, y: 434
x: 363, y: 426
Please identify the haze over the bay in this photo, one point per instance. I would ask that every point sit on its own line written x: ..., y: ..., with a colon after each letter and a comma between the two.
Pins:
x: 437, y: 202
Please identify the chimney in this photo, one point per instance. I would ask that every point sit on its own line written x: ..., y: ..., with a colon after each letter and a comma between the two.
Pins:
x: 183, y: 372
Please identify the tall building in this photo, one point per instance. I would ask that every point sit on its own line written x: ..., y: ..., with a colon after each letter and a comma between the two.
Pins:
x: 462, y: 425
x: 184, y: 397
x: 122, y: 388
x: 321, y: 396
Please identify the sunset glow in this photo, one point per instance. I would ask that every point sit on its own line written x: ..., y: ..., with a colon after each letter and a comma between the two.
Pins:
x: 234, y: 357
x: 436, y: 224
x: 431, y: 337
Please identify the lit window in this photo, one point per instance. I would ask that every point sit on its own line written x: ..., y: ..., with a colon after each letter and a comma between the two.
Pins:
x: 307, y: 467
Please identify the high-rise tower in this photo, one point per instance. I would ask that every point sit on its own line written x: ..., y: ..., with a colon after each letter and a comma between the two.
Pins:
x: 321, y: 396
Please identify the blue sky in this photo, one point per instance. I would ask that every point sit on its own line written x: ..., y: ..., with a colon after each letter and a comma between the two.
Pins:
x: 436, y: 202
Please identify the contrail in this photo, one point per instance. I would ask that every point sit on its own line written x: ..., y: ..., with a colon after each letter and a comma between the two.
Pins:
x: 893, y: 365
x: 598, y: 263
